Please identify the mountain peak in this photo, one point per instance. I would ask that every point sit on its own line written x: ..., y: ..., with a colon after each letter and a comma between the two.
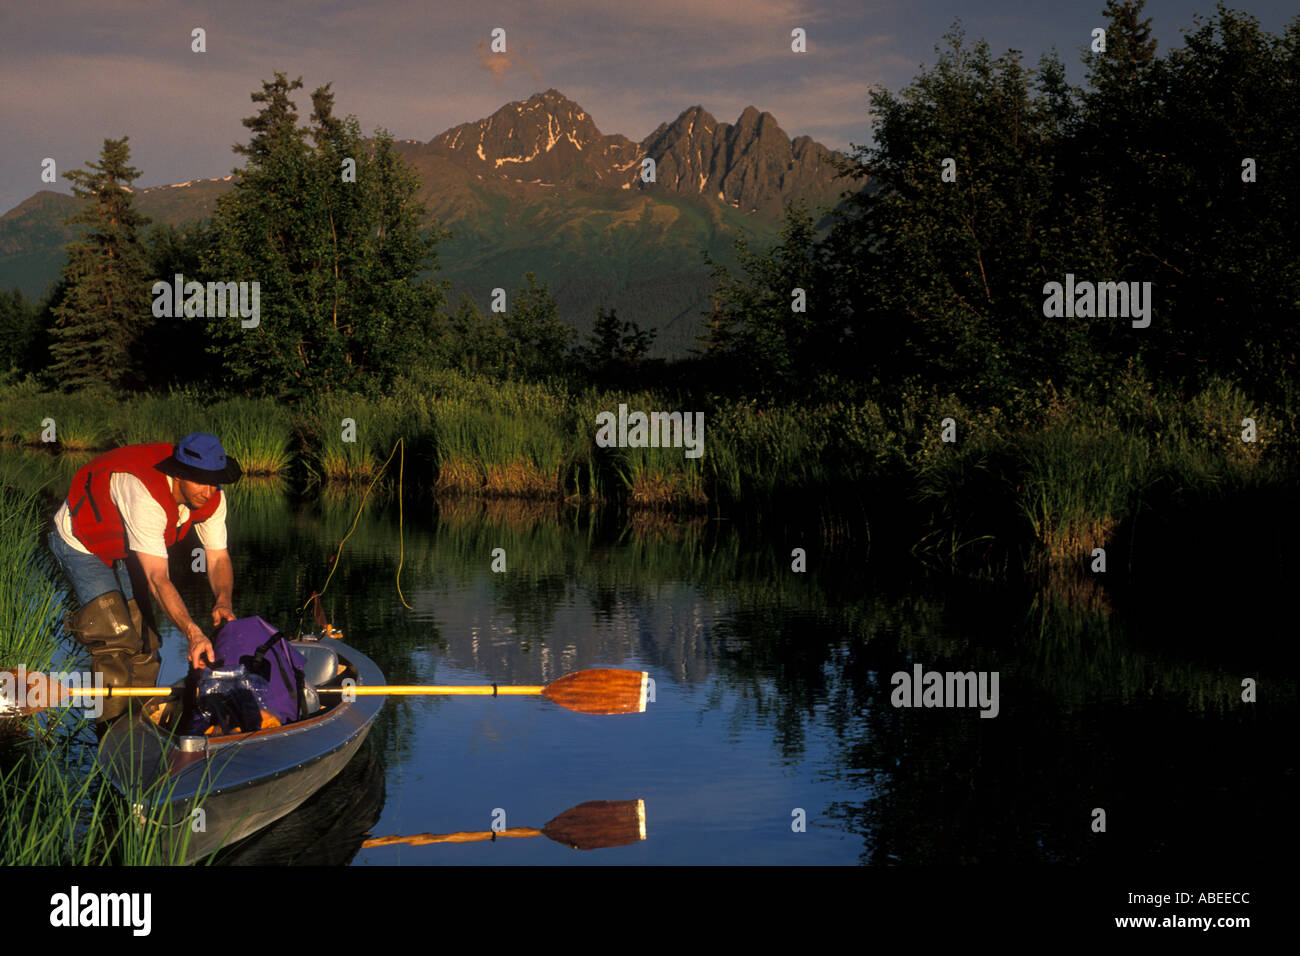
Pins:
x: 546, y: 139
x: 549, y: 140
x: 552, y: 99
x: 751, y: 166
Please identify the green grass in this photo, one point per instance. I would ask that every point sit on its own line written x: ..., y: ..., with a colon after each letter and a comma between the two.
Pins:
x: 30, y: 604
x: 759, y: 454
x: 256, y: 433
x: 58, y: 807
x: 1057, y: 474
x: 339, y: 451
x: 73, y: 422
x: 1077, y: 483
x: 498, y: 452
x: 162, y: 418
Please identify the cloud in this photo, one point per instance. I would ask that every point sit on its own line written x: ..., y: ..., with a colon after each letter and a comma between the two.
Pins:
x: 512, y: 58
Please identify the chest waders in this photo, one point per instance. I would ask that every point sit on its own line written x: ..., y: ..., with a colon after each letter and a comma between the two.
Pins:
x: 123, y: 646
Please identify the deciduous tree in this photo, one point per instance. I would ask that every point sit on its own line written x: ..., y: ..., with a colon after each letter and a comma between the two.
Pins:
x: 329, y: 225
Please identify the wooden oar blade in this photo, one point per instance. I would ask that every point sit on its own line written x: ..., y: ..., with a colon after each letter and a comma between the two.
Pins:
x: 24, y: 692
x: 13, y: 694
x: 601, y: 691
x: 599, y: 823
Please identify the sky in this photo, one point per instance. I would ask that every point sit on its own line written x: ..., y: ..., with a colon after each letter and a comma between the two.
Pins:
x: 75, y: 72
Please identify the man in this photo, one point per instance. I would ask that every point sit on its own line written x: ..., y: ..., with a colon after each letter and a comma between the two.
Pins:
x: 123, y: 511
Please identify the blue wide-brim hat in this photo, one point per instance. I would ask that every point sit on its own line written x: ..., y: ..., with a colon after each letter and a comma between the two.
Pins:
x: 199, y: 457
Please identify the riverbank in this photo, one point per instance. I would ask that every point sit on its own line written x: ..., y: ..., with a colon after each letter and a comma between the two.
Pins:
x: 1048, y: 482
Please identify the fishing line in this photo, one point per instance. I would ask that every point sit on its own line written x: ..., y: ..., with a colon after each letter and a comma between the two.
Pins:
x: 401, y: 534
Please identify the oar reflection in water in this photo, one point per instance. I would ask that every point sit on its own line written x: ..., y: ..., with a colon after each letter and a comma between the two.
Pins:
x: 593, y: 825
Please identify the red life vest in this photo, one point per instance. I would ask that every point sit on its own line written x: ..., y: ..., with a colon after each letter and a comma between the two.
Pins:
x: 95, y: 519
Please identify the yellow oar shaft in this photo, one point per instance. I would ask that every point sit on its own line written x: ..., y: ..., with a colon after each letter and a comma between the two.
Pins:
x: 601, y: 691
x: 399, y: 690
x: 396, y: 690
x: 468, y: 836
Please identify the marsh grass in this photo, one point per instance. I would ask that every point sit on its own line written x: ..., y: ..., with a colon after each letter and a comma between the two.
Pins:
x: 257, y: 433
x: 1049, y: 480
x: 1077, y: 484
x: 80, y: 435
x: 31, y: 606
x: 761, y: 454
x: 163, y: 418
x: 498, y: 452
x: 661, y: 478
x: 322, y: 433
x: 81, y: 421
x: 59, y: 808
x: 1056, y: 481
x: 348, y: 463
x: 19, y: 409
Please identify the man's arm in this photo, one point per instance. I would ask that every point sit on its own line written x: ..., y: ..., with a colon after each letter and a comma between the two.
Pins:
x: 165, y: 593
x: 221, y: 577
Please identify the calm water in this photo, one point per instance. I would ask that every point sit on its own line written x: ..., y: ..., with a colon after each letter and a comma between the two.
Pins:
x: 772, y: 697
x: 773, y: 694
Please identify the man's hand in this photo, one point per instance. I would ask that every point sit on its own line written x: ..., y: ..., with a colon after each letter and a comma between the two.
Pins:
x: 222, y: 611
x: 200, y: 647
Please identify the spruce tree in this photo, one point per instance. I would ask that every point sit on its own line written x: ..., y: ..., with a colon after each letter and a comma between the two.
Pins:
x: 18, y: 328
x: 105, y: 305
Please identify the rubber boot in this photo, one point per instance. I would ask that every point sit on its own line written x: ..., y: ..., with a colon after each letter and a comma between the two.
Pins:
x: 104, y: 628
x: 146, y: 662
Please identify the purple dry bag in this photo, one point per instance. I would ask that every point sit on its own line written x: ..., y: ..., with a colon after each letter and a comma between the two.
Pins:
x: 255, y: 669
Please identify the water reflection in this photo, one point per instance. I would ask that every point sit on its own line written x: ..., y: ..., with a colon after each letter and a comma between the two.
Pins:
x: 327, y: 830
x: 773, y: 689
x: 594, y: 825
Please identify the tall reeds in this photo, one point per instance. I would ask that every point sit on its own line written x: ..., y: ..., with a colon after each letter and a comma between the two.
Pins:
x: 58, y: 808
x: 30, y: 604
x: 1058, y: 474
x: 256, y: 433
